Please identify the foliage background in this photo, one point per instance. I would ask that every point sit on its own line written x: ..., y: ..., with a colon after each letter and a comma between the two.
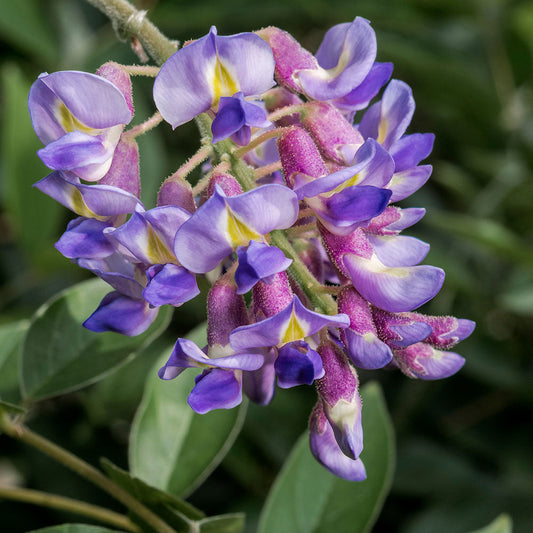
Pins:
x: 464, y: 444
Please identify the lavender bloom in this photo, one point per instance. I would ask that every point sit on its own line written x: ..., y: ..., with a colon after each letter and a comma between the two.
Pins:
x: 194, y: 79
x: 79, y: 117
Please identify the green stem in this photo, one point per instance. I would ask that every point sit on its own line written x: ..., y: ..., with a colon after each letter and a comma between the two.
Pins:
x: 301, y: 274
x: 83, y: 469
x: 141, y: 70
x: 68, y: 504
x: 134, y: 23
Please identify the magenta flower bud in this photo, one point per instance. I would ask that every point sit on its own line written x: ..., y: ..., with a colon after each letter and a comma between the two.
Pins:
x: 114, y: 73
x: 360, y: 338
x: 338, y: 390
x: 176, y: 191
x: 299, y: 155
x: 271, y: 298
x: 124, y: 170
x: 400, y: 330
x: 447, y: 331
x: 226, y: 310
x: 334, y: 136
x: 227, y: 183
x: 289, y: 56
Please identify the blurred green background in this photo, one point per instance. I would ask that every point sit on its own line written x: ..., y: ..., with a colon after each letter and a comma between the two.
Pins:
x: 464, y: 444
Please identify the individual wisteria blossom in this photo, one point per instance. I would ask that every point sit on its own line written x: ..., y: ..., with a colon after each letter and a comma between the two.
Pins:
x: 293, y: 221
x: 80, y: 117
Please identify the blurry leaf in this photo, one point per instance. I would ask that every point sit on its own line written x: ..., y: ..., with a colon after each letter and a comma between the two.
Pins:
x: 11, y: 336
x: 75, y: 528
x: 502, y: 524
x: 172, y: 447
x: 22, y: 23
x: 227, y: 523
x: 34, y: 216
x: 306, y: 498
x: 11, y: 408
x: 60, y: 355
x: 519, y: 300
x: 152, y: 497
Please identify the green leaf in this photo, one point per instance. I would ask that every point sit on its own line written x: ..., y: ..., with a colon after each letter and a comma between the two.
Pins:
x: 74, y: 528
x: 33, y: 215
x: 306, y: 498
x: 11, y: 336
x: 22, y: 24
x: 148, y: 495
x: 502, y: 524
x: 60, y: 355
x: 172, y: 447
x: 11, y: 408
x: 227, y: 523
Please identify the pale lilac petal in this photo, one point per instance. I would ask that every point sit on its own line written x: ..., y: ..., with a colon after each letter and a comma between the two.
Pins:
x: 216, y: 389
x: 293, y: 323
x: 345, y: 56
x: 393, y: 289
x: 85, y: 238
x: 328, y: 453
x: 398, y: 250
x: 75, y: 150
x: 405, y: 183
x: 121, y: 314
x: 170, y: 284
x: 408, y: 151
x: 393, y: 220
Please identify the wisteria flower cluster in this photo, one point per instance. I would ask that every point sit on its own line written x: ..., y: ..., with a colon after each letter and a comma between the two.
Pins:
x: 294, y: 221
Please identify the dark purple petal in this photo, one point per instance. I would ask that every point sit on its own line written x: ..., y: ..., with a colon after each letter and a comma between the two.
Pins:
x: 170, y: 284
x: 85, y: 238
x: 259, y: 385
x: 121, y: 314
x: 297, y: 364
x: 216, y: 389
x: 366, y: 351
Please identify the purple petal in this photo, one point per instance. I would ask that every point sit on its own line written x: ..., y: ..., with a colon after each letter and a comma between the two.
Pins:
x: 393, y: 220
x: 124, y: 171
x: 398, y: 250
x: 328, y: 453
x: 345, y: 57
x: 425, y: 362
x: 393, y: 289
x: 91, y: 99
x: 121, y: 314
x: 297, y: 364
x: 257, y: 262
x: 447, y: 330
x: 85, y: 238
x: 366, y: 351
x: 405, y: 183
x: 259, y: 385
x: 216, y: 389
x: 360, y: 97
x: 170, y: 284
x: 295, y: 322
x: 408, y: 151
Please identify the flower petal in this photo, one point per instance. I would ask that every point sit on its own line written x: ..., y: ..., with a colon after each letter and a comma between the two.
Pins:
x: 170, y: 284
x: 216, y: 389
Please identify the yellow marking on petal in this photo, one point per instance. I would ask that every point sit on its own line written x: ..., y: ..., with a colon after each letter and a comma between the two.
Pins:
x: 239, y: 233
x: 294, y: 331
x: 157, y: 251
x: 375, y: 265
x: 80, y: 207
x: 70, y: 123
x: 369, y: 337
x: 223, y: 82
x: 350, y: 182
x: 383, y: 129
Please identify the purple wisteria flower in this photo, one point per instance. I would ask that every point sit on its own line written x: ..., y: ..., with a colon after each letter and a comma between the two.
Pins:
x: 79, y: 117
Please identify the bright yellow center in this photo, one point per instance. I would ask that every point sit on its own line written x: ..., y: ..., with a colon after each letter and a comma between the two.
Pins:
x: 80, y: 207
x: 239, y: 233
x: 157, y: 250
x: 223, y: 82
x: 382, y: 130
x: 71, y: 123
x: 293, y: 331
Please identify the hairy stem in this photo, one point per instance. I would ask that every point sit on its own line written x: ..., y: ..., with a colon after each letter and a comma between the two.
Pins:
x: 147, y: 125
x: 83, y: 469
x: 54, y: 501
x: 133, y: 23
x: 141, y: 70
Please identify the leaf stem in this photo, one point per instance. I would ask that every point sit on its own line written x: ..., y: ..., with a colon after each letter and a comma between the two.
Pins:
x: 85, y: 470
x: 133, y: 22
x: 54, y: 501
